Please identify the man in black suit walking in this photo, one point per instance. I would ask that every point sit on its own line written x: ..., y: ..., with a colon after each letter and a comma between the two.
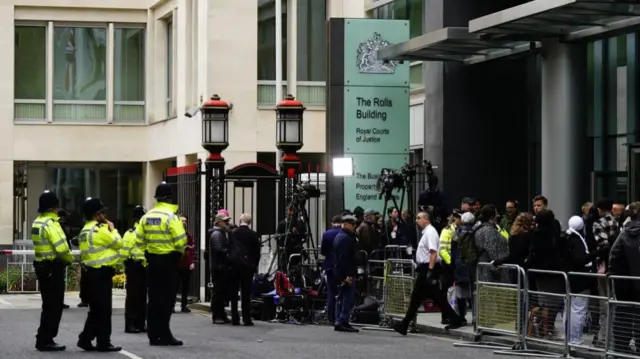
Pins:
x: 244, y: 256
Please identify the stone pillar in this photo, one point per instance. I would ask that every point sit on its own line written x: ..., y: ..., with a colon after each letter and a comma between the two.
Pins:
x: 563, y: 126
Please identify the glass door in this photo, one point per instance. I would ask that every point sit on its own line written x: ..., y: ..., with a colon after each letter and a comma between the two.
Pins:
x: 609, y: 184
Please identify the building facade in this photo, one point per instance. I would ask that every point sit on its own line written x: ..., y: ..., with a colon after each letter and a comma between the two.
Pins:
x: 94, y: 93
x: 521, y: 98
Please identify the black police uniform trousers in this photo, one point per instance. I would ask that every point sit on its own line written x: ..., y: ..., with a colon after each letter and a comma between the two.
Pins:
x: 424, y: 289
x: 135, y: 305
x: 51, y: 283
x: 162, y: 279
x: 98, y: 323
x: 84, y: 286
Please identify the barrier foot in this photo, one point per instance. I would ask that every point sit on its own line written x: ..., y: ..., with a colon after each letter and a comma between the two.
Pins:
x: 482, y: 345
x: 380, y: 329
x: 528, y: 353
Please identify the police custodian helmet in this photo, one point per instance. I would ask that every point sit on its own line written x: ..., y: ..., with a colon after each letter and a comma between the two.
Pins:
x: 163, y: 190
x: 48, y: 200
x: 139, y: 211
x: 92, y: 206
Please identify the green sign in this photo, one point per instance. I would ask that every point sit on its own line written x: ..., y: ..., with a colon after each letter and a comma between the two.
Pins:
x: 376, y: 120
x: 361, y: 189
x: 362, y: 39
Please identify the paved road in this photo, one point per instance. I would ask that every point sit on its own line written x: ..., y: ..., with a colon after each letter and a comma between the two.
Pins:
x: 19, y: 316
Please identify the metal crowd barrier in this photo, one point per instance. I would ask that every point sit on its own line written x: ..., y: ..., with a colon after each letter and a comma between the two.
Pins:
x: 19, y: 276
x: 498, y: 298
x: 398, y: 284
x: 563, y: 312
x: 586, y: 313
x: 623, y: 329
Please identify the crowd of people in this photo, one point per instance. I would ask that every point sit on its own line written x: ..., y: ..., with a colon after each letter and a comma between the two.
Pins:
x: 601, y: 238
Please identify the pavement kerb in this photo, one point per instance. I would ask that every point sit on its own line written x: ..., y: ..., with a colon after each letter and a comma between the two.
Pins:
x: 463, y: 336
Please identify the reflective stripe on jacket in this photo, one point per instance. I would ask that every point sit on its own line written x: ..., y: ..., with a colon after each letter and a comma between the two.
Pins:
x: 99, y: 246
x: 132, y: 247
x: 503, y: 232
x: 161, y: 230
x: 445, y: 243
x: 49, y: 240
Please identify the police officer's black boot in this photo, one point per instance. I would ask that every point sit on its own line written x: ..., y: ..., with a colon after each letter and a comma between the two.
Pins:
x: 108, y: 348
x: 50, y: 347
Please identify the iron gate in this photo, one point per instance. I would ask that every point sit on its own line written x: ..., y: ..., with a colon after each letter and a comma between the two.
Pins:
x: 248, y: 188
x: 185, y: 185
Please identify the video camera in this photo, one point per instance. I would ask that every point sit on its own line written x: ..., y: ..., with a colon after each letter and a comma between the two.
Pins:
x: 389, y: 180
x: 303, y: 191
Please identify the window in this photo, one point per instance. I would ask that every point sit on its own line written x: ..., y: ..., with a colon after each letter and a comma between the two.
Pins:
x: 411, y: 10
x: 266, y: 40
x: 118, y: 185
x: 129, y: 75
x: 79, y: 74
x: 311, y: 46
x: 30, y: 72
x: 612, y: 77
x: 63, y: 73
x: 170, y: 62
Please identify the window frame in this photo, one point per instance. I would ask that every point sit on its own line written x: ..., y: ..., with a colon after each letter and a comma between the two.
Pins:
x: 170, y: 108
x: 108, y: 45
x: 145, y: 68
x: 109, y: 103
x: 18, y: 101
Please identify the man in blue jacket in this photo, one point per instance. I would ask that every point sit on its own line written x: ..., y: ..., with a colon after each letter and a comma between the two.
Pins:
x: 345, y: 269
x: 326, y: 249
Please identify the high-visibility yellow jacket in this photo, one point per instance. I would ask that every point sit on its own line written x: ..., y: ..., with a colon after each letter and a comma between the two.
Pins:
x: 502, y: 231
x: 161, y: 230
x: 133, y: 248
x: 49, y: 240
x: 445, y: 243
x: 99, y: 246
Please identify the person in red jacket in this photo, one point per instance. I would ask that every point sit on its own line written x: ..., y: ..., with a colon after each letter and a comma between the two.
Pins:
x: 187, y: 265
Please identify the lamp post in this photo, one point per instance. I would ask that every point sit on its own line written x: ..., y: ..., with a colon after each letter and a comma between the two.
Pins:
x: 289, y: 114
x: 215, y: 139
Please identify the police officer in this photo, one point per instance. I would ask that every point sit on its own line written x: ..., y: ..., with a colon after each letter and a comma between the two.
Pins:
x: 165, y: 238
x: 135, y: 264
x: 52, y: 255
x: 99, y: 244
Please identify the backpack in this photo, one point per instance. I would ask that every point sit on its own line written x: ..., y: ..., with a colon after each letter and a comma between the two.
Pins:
x: 467, y: 246
x: 282, y: 285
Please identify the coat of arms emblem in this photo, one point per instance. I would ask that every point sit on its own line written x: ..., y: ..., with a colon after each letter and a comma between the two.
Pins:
x: 368, y: 62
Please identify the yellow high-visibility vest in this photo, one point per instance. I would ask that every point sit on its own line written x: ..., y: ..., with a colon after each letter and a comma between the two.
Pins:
x: 133, y: 248
x: 99, y: 246
x: 49, y: 240
x: 445, y: 243
x: 161, y: 230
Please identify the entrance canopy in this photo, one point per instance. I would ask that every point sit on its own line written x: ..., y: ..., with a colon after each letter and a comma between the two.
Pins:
x: 569, y: 20
x: 452, y: 44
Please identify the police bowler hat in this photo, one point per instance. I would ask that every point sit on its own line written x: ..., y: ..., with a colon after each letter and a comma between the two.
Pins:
x: 93, y: 206
x: 139, y: 211
x: 163, y: 190
x: 47, y: 201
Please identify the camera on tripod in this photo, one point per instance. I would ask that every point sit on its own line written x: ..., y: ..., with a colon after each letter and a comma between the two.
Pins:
x: 303, y: 191
x: 389, y: 180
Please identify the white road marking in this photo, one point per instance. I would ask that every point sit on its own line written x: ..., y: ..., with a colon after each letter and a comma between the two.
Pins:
x: 2, y: 301
x: 129, y: 354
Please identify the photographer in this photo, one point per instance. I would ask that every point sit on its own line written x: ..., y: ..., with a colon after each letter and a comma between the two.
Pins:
x: 432, y: 201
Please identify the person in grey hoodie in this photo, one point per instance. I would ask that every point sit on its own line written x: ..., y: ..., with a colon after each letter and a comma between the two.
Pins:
x: 490, y: 244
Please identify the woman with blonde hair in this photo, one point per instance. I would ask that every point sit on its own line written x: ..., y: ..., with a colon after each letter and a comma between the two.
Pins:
x: 519, y: 240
